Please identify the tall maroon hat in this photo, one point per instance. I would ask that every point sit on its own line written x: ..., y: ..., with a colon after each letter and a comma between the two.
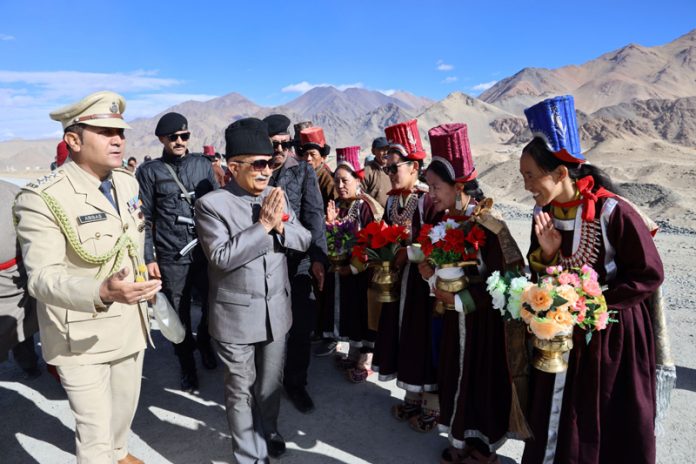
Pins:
x: 449, y: 144
x: 405, y: 139
x: 208, y: 150
x: 350, y: 158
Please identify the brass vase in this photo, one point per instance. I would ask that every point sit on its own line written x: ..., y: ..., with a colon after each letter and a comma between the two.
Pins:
x: 548, y: 356
x: 338, y: 261
x: 454, y: 286
x: 385, y: 281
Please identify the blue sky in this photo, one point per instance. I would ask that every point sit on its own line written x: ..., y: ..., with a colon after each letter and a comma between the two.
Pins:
x: 158, y: 54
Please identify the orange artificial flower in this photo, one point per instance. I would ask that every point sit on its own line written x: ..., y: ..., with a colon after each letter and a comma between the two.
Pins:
x: 538, y: 298
x: 546, y: 329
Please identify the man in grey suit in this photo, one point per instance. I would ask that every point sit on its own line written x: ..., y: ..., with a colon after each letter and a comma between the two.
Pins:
x: 245, y: 230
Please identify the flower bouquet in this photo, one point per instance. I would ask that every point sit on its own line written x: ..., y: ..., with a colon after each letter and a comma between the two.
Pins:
x: 340, y: 236
x: 378, y: 244
x: 449, y: 246
x: 551, y: 308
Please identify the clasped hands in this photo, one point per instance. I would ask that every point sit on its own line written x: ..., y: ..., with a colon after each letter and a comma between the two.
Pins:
x: 272, y: 211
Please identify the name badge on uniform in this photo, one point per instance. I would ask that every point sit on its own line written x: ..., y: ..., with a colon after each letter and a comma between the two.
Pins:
x: 96, y: 217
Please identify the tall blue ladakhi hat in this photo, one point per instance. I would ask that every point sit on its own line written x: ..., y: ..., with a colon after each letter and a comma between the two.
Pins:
x: 554, y: 121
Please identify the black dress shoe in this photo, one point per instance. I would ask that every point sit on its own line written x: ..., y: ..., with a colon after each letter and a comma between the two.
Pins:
x: 275, y: 444
x: 300, y: 399
x: 208, y: 358
x: 189, y: 380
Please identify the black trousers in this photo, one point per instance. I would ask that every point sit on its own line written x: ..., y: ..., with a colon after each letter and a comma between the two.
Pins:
x: 178, y: 281
x: 304, y: 317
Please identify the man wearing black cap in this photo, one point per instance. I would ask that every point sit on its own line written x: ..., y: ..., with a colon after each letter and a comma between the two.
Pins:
x: 376, y: 182
x: 299, y: 181
x: 246, y: 229
x: 169, y: 187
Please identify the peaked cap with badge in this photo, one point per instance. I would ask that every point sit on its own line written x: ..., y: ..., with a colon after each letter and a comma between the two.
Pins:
x: 554, y: 121
x: 100, y: 109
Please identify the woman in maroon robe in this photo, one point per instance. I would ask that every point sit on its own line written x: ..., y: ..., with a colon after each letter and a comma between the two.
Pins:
x: 602, y: 409
x: 345, y: 304
x: 475, y: 384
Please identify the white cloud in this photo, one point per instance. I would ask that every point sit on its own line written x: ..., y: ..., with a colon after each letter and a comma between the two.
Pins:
x: 484, y: 86
x: 26, y: 98
x: 304, y: 86
x: 442, y: 66
x: 6, y: 37
x: 388, y: 92
x: 450, y: 79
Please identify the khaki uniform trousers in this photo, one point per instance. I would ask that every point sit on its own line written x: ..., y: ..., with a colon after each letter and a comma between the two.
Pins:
x: 103, y: 398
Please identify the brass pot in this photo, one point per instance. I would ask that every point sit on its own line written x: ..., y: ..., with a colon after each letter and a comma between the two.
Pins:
x: 548, y: 356
x: 338, y: 261
x: 385, y: 281
x: 454, y: 286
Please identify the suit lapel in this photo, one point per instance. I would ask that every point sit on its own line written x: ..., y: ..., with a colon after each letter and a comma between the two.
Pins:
x: 86, y: 185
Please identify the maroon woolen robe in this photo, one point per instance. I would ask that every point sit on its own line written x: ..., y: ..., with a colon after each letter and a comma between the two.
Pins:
x: 607, y: 395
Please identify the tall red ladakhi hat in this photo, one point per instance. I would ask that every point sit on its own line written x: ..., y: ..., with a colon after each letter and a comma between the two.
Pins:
x: 350, y: 158
x: 449, y: 145
x: 313, y: 138
x: 405, y: 139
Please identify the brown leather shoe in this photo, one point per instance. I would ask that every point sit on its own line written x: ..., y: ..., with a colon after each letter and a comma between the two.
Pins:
x: 130, y: 459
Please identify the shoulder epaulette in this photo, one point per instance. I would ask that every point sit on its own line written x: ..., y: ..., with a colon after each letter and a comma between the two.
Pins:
x: 45, y: 181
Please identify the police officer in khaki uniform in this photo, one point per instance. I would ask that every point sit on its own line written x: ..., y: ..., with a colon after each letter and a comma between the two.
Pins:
x: 81, y: 234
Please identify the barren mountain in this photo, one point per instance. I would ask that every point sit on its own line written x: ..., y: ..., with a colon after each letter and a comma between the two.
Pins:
x: 630, y: 73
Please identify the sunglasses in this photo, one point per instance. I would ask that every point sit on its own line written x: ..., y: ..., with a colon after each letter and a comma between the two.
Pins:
x: 286, y: 145
x: 173, y: 137
x: 260, y: 165
x: 392, y: 168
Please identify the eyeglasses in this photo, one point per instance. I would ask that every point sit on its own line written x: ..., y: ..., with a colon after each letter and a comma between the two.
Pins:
x: 392, y: 168
x: 174, y: 137
x: 286, y: 144
x: 260, y: 165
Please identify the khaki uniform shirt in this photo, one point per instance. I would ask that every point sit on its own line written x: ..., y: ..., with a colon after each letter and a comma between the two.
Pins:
x: 75, y: 325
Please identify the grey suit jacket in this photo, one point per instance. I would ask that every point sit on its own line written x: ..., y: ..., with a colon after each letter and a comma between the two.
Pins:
x: 249, y: 286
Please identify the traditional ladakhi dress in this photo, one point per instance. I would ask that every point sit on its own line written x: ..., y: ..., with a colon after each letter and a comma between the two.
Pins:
x: 475, y: 382
x: 345, y: 298
x: 602, y: 409
x: 404, y: 346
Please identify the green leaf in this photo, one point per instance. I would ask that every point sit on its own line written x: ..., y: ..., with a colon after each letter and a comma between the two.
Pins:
x: 588, y: 337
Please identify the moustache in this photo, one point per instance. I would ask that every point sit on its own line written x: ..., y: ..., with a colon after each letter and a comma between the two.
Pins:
x: 261, y: 178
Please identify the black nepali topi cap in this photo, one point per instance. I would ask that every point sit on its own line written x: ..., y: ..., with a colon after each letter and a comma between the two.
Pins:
x: 248, y: 136
x: 277, y: 124
x: 170, y: 123
x: 380, y: 142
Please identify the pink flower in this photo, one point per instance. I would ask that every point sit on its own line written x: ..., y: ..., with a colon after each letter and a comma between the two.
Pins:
x: 580, y: 306
x: 552, y: 270
x: 602, y: 320
x: 568, y: 278
x: 588, y: 271
x: 591, y: 287
x: 580, y: 318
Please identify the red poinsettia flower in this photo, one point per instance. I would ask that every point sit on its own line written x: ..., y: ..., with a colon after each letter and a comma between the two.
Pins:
x: 360, y: 253
x: 394, y: 233
x: 378, y: 241
x: 454, y: 241
x: 477, y: 237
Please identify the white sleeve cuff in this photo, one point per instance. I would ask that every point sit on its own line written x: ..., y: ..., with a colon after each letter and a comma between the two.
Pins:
x: 458, y: 305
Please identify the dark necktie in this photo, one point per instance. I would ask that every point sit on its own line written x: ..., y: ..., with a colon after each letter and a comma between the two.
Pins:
x: 105, y: 188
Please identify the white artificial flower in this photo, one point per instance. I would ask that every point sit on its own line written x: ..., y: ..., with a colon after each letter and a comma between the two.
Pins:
x: 437, y: 233
x: 492, y: 281
x: 514, y: 305
x: 451, y: 224
x: 498, y: 299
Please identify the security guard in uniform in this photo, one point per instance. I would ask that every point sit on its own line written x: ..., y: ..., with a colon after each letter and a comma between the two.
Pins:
x: 169, y: 187
x: 81, y: 233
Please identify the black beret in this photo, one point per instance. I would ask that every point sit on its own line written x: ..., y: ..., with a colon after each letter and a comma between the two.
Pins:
x: 248, y: 136
x: 380, y: 142
x: 170, y: 123
x: 277, y: 124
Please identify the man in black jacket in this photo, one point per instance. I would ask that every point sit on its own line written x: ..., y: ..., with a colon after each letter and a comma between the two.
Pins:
x: 169, y: 186
x: 299, y: 181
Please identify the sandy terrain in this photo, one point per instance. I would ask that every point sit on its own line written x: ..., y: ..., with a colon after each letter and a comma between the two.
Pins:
x: 351, y: 424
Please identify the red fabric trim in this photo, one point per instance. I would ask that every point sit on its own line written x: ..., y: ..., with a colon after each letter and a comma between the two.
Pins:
x: 587, y: 199
x: 473, y: 175
x: 563, y: 155
x: 10, y: 263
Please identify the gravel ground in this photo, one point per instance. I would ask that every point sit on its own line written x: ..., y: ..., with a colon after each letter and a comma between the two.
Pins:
x: 351, y: 424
